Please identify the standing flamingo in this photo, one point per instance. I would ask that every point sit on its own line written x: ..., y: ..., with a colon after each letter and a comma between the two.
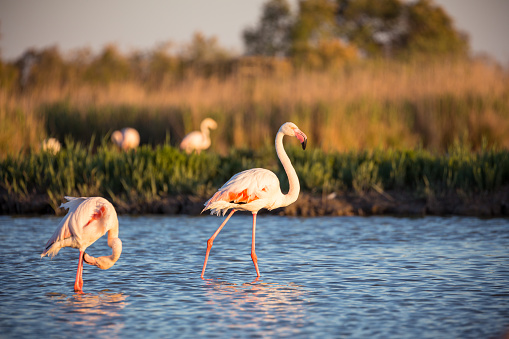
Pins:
x: 87, y: 220
x: 257, y: 188
x: 126, y: 139
x: 198, y: 141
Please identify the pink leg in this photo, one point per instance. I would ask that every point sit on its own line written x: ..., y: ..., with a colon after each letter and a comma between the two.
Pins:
x: 253, y: 254
x: 78, y: 283
x: 211, y: 241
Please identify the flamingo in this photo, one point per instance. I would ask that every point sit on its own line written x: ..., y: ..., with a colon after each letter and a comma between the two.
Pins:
x: 198, y: 141
x: 256, y: 188
x: 87, y: 220
x: 126, y: 139
x: 51, y: 145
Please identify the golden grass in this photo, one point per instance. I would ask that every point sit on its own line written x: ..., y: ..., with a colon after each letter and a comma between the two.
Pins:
x: 375, y: 104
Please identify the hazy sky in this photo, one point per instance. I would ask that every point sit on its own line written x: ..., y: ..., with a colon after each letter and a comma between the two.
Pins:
x: 140, y: 25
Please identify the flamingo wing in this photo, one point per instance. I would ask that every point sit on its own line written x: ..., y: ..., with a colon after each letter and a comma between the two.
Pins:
x: 77, y: 228
x: 244, y: 188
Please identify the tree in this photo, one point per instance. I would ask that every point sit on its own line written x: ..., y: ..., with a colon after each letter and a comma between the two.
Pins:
x: 272, y: 35
x: 373, y: 25
x: 109, y: 66
x: 399, y: 28
x: 431, y: 31
x: 203, y: 49
x: 315, y: 39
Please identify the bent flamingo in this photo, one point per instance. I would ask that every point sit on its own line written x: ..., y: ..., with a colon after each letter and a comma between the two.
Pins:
x: 257, y: 188
x: 87, y: 220
x: 51, y: 145
x: 198, y: 141
x: 126, y: 139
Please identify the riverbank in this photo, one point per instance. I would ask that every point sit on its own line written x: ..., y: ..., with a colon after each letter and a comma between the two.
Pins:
x: 399, y: 203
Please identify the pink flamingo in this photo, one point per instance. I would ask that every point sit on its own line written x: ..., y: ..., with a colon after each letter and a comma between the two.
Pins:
x: 126, y: 139
x: 87, y: 220
x: 257, y: 188
x: 198, y: 141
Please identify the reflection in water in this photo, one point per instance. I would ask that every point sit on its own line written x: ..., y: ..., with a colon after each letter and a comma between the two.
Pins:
x: 99, y: 311
x: 355, y: 278
x: 275, y: 308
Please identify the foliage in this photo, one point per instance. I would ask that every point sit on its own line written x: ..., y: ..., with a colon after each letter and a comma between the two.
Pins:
x: 272, y: 35
x: 150, y: 174
x: 390, y: 28
x: 430, y: 32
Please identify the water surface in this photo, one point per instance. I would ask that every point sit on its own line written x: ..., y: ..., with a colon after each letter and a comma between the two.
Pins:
x: 341, y: 277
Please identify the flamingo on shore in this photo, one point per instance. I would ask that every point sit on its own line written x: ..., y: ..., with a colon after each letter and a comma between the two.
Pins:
x: 126, y: 139
x: 87, y: 220
x: 256, y: 188
x: 198, y: 140
x: 51, y: 145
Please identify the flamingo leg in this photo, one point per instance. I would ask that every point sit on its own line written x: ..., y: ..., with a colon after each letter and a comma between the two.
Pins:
x: 253, y: 253
x: 78, y: 284
x: 211, y: 241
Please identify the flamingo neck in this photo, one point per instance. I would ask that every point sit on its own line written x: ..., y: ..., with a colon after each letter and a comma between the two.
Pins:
x: 293, y: 180
x: 205, y: 130
x: 107, y: 261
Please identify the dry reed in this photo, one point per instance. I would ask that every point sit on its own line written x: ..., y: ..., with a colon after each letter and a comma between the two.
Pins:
x: 368, y: 105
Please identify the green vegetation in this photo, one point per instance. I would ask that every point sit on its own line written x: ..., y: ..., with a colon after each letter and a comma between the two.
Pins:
x: 151, y: 174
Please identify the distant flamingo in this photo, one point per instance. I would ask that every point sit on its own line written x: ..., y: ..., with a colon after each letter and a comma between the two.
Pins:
x: 126, y: 139
x: 198, y: 141
x: 257, y: 188
x: 87, y: 220
x: 51, y: 145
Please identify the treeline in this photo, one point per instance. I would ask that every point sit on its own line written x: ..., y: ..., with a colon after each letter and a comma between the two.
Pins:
x: 322, y: 34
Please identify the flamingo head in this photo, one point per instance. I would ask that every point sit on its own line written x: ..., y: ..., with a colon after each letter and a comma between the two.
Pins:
x: 116, y: 138
x: 209, y: 123
x: 290, y: 129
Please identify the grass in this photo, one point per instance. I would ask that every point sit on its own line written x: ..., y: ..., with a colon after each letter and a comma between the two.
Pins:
x: 363, y: 106
x: 151, y: 174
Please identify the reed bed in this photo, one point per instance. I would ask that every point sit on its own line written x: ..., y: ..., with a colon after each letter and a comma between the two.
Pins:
x: 362, y: 106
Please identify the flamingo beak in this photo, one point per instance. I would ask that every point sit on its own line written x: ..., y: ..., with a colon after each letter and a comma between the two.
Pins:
x: 303, y: 139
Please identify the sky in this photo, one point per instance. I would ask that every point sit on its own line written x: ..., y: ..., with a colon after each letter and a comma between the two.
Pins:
x: 143, y: 25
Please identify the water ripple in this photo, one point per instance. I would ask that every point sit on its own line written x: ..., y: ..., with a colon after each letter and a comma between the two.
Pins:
x: 321, y: 277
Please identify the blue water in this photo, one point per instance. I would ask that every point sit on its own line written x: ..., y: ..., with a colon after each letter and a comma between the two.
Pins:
x: 330, y: 277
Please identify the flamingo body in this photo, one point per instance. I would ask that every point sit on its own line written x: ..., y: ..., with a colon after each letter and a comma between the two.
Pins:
x: 126, y: 139
x: 51, y: 145
x: 87, y: 220
x: 249, y: 190
x: 257, y: 188
x: 198, y: 140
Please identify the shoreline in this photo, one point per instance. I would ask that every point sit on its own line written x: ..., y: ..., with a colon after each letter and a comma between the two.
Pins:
x: 395, y: 203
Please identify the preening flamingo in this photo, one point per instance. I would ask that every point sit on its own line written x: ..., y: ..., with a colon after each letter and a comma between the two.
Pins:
x: 87, y: 220
x: 51, y: 145
x: 257, y: 188
x: 198, y: 141
x: 126, y: 139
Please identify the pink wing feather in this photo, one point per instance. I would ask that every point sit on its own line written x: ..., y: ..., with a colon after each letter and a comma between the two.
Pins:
x: 247, y: 186
x: 82, y: 212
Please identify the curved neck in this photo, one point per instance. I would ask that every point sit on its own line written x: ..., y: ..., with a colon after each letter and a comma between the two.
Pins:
x: 204, y: 129
x: 293, y: 180
x: 107, y: 261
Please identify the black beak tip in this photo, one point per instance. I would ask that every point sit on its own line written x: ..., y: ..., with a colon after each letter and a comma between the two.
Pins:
x: 304, y: 143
